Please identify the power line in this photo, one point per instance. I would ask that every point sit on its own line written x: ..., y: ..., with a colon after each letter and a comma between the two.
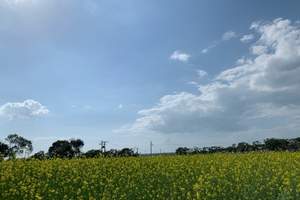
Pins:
x: 151, y: 145
x: 103, y: 146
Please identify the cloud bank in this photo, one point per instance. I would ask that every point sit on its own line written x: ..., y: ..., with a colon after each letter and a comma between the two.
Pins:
x: 27, y: 109
x: 260, y: 94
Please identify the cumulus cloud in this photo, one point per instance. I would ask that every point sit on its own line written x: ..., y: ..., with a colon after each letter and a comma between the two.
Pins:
x: 259, y: 95
x: 229, y: 35
x: 180, y: 56
x: 27, y: 109
x: 247, y: 38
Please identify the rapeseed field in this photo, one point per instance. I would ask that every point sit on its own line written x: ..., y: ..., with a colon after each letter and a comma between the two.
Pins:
x: 213, y: 176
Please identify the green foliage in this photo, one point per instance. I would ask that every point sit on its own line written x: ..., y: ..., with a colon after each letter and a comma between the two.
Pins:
x: 4, y: 150
x: 18, y: 145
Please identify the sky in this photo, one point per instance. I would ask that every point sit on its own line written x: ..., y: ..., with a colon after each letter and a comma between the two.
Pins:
x: 174, y: 72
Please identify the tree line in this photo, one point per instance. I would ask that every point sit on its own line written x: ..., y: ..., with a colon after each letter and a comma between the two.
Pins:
x: 269, y: 144
x: 16, y: 146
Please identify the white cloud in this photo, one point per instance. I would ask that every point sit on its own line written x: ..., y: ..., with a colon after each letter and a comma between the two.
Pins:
x: 27, y: 109
x: 226, y: 36
x: 207, y: 49
x: 247, y: 38
x: 259, y: 49
x: 258, y: 97
x: 120, y: 106
x: 180, y: 56
x: 229, y: 35
x: 201, y: 73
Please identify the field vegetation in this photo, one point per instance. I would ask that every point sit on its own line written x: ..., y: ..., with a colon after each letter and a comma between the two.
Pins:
x: 256, y: 175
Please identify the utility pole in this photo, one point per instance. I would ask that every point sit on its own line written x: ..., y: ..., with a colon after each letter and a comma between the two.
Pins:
x: 103, y: 146
x: 151, y: 145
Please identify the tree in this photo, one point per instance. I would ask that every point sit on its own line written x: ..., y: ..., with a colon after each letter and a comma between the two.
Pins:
x: 126, y: 152
x: 257, y: 146
x: 61, y: 149
x: 77, y: 144
x: 182, y: 150
x: 39, y: 155
x: 25, y: 146
x: 274, y: 144
x: 4, y: 150
x: 243, y: 147
x: 111, y: 153
x: 92, y: 153
x: 18, y: 145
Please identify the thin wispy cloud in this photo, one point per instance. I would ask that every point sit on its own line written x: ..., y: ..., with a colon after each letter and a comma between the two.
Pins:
x: 247, y: 38
x: 180, y: 56
x: 229, y: 35
x: 207, y: 49
x: 201, y: 73
x: 225, y: 37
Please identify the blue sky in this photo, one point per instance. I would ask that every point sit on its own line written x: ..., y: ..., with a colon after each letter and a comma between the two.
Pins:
x: 134, y: 71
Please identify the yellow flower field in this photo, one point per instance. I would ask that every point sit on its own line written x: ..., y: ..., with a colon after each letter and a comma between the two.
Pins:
x: 215, y: 176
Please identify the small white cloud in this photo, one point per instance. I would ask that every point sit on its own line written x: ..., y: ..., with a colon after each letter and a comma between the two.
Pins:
x: 28, y: 108
x: 229, y: 35
x: 120, y: 106
x: 201, y: 73
x: 204, y: 50
x: 193, y: 83
x: 207, y: 49
x: 247, y: 38
x: 226, y: 36
x: 180, y: 56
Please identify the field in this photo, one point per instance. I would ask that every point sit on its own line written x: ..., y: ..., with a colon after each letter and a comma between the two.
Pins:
x: 214, y: 176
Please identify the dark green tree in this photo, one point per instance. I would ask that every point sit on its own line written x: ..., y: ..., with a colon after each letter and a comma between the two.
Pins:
x: 77, y: 144
x: 39, y: 155
x: 274, y: 144
x: 182, y: 150
x: 93, y: 153
x: 4, y: 150
x: 61, y: 149
x: 126, y: 152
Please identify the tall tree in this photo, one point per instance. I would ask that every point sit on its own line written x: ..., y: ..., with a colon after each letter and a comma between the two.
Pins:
x: 77, y: 144
x: 18, y: 145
